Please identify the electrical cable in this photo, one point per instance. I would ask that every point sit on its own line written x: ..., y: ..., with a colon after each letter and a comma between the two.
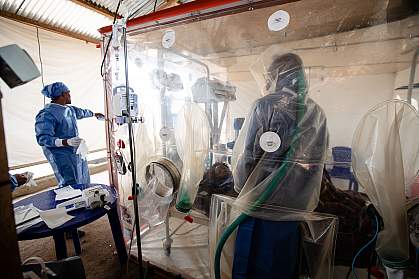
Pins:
x: 40, y: 60
x: 109, y: 41
x: 130, y: 245
x: 155, y: 5
x: 20, y: 6
x: 377, y: 228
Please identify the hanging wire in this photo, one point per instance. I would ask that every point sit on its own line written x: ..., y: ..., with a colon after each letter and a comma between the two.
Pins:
x: 155, y: 5
x: 20, y: 6
x: 40, y: 59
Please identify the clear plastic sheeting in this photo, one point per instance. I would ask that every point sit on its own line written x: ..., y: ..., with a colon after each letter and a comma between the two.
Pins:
x: 385, y: 161
x: 317, y: 233
x: 253, y: 100
x: 189, y: 252
x: 154, y: 202
x: 192, y: 142
x: 279, y: 155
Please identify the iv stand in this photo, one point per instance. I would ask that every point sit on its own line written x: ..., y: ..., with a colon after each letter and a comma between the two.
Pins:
x: 132, y: 155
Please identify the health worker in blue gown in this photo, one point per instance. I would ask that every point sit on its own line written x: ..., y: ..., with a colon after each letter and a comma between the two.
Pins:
x: 57, y: 134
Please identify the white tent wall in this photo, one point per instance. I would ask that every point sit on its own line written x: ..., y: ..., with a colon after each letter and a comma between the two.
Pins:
x: 248, y: 92
x: 345, y: 100
x: 72, y: 61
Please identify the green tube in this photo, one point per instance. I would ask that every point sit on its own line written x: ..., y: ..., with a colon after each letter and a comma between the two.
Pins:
x: 272, y: 185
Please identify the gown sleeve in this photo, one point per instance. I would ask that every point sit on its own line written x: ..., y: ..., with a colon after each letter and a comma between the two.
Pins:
x: 82, y: 113
x: 45, y: 129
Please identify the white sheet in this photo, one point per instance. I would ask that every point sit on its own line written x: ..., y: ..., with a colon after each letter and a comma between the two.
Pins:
x: 56, y: 217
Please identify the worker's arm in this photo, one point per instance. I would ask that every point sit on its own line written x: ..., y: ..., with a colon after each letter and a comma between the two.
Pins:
x: 44, y: 129
x: 82, y: 113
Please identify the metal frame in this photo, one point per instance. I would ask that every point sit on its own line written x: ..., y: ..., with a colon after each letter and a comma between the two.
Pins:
x: 201, y: 9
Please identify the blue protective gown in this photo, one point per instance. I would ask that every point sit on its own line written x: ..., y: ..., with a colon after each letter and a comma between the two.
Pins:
x: 60, y: 122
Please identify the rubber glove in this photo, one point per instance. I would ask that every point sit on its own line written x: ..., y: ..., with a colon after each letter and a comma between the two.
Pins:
x: 74, y: 142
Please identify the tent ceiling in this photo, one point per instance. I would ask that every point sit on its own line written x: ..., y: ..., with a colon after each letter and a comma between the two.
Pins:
x: 76, y: 18
x: 338, y: 37
x: 134, y: 8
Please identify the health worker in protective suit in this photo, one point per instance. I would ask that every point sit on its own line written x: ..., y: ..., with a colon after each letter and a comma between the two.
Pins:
x: 277, y: 161
x: 285, y: 139
x: 57, y: 133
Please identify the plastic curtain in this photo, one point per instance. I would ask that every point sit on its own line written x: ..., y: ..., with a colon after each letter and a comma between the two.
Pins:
x: 385, y: 161
x: 192, y: 141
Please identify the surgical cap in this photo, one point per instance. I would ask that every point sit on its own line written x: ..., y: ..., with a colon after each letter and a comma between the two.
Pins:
x: 55, y: 89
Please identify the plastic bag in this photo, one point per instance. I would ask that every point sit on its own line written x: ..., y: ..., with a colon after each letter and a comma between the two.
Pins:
x: 154, y: 202
x: 192, y: 142
x: 385, y: 161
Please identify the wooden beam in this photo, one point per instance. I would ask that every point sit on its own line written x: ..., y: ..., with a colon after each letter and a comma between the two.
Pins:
x: 16, y: 167
x: 168, y: 4
x: 94, y: 7
x: 9, y: 249
x: 48, y: 27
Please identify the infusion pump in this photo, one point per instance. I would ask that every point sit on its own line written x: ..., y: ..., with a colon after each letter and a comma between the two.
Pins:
x: 91, y: 198
x: 119, y: 104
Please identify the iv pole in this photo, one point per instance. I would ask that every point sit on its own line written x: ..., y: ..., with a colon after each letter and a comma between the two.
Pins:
x: 132, y: 155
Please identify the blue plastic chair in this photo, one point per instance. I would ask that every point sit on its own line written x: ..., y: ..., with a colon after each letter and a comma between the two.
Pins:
x: 342, y: 156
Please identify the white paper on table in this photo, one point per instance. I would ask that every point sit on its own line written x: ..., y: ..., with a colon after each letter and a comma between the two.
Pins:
x: 28, y: 224
x: 25, y: 213
x: 55, y: 217
x: 65, y: 195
